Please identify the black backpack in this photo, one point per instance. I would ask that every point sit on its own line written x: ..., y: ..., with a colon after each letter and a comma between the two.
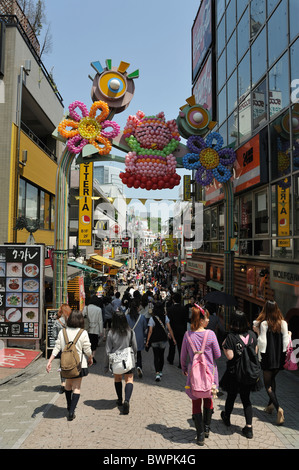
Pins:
x: 247, y: 368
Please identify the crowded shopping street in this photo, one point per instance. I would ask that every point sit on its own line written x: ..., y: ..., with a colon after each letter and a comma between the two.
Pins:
x: 33, y: 406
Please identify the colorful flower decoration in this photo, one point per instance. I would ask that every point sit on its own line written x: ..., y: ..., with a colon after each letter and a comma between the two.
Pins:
x: 88, y: 128
x: 209, y: 159
x: 151, y: 163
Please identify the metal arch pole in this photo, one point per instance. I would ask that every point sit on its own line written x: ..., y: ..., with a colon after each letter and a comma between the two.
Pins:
x: 228, y: 253
x: 60, y: 253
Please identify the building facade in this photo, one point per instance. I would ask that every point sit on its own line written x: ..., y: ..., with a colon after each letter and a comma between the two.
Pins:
x: 245, y: 67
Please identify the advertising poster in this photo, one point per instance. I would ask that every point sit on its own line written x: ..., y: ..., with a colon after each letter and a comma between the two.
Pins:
x: 21, y: 289
x: 201, y: 35
x: 202, y: 89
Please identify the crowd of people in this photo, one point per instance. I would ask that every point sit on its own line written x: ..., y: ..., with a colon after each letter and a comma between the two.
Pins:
x: 152, y: 314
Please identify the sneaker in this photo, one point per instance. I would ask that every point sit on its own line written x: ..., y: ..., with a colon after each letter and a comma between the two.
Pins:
x: 225, y: 418
x: 139, y: 372
x: 126, y: 407
x: 160, y: 373
x: 158, y: 378
x: 247, y: 432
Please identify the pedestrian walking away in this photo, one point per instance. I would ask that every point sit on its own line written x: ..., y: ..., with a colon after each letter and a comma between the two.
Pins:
x: 75, y: 323
x: 178, y: 318
x: 93, y: 312
x: 138, y: 324
x: 237, y: 380
x: 119, y: 337
x: 60, y: 322
x: 195, y: 338
x: 159, y: 330
x: 273, y: 339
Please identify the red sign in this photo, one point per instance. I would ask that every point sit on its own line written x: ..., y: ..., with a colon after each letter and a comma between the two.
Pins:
x: 247, y: 165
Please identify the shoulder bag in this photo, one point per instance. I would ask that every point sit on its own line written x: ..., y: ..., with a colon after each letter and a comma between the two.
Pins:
x: 121, y: 362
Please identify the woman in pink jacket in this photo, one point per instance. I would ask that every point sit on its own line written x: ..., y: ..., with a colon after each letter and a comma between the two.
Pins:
x: 199, y: 321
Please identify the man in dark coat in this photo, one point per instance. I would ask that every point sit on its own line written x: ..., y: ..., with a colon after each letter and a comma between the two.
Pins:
x: 178, y: 317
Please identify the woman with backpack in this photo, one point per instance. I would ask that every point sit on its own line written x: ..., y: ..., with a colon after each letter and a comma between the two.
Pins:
x: 273, y: 339
x: 194, y: 341
x: 120, y: 337
x: 74, y: 329
x: 244, y: 379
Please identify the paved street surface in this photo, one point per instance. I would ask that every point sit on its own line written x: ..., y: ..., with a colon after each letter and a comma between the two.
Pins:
x: 33, y: 413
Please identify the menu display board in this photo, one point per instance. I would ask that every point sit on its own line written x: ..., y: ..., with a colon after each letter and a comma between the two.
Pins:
x: 50, y: 319
x: 21, y: 288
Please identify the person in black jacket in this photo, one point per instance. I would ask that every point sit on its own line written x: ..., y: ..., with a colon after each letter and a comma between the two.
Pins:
x: 159, y: 330
x: 178, y: 318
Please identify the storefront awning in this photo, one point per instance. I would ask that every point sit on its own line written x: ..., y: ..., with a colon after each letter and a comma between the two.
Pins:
x: 84, y: 267
x: 215, y: 285
x: 71, y: 273
x: 106, y: 261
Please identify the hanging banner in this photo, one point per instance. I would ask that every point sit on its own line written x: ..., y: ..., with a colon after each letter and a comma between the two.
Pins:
x: 283, y: 214
x: 85, y: 204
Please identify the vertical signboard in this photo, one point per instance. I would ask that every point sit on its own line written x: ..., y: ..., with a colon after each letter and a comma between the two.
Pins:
x: 21, y: 290
x: 85, y: 204
x: 201, y: 35
x: 187, y: 188
x: 283, y: 196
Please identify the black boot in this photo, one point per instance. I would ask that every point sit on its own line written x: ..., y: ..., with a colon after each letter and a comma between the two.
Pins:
x: 200, y: 435
x: 207, y: 416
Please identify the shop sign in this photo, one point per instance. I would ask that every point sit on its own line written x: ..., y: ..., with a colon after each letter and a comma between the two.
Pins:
x: 283, y: 214
x: 187, y: 188
x: 285, y: 277
x: 196, y: 267
x: 247, y: 165
x: 85, y: 204
x: 21, y: 290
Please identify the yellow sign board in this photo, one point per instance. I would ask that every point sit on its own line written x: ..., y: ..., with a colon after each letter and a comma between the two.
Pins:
x: 283, y: 215
x: 187, y: 188
x: 85, y: 204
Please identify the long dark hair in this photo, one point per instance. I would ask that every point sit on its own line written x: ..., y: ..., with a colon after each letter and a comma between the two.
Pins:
x: 272, y: 314
x: 119, y: 323
x: 159, y: 311
x: 75, y: 320
x: 133, y: 309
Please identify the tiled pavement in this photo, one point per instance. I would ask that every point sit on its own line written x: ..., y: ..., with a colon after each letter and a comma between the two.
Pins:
x: 33, y: 413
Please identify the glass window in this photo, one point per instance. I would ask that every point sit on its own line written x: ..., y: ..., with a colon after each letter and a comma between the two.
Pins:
x: 221, y: 70
x: 221, y: 36
x: 294, y: 15
x: 232, y: 130
x: 271, y: 4
x: 31, y: 202
x: 279, y: 149
x: 257, y: 16
x: 261, y: 248
x: 207, y: 225
x: 222, y: 105
x: 295, y: 72
x: 231, y: 54
x: 245, y: 119
x: 259, y: 104
x: 47, y: 212
x: 244, y: 76
x: 52, y: 212
x: 258, y: 57
x: 42, y: 209
x: 241, y: 4
x: 223, y: 132
x: 22, y: 198
x: 261, y: 218
x: 278, y: 32
x: 220, y: 9
x: 246, y: 216
x: 243, y: 35
x: 232, y: 89
x: 221, y: 222
x: 230, y: 17
x: 214, y: 223
x: 279, y: 86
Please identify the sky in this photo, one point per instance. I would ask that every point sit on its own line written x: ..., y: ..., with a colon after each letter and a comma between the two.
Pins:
x: 154, y: 37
